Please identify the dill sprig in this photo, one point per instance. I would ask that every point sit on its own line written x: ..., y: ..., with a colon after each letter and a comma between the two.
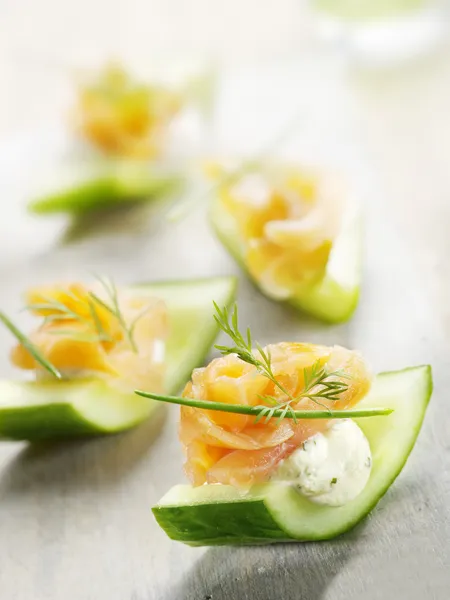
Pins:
x: 94, y: 327
x: 320, y: 384
x: 32, y: 349
x: 243, y: 348
x: 113, y: 308
x: 60, y: 312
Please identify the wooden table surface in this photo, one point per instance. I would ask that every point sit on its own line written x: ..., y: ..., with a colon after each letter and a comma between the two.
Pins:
x: 75, y: 518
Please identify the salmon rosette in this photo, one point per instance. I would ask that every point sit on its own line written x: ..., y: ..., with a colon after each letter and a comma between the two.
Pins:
x: 228, y: 448
x: 124, y: 117
x: 87, y: 331
x: 287, y: 220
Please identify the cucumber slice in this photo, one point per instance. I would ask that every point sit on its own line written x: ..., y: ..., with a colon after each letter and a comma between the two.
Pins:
x: 38, y: 410
x: 105, y: 185
x: 274, y: 512
x: 335, y: 297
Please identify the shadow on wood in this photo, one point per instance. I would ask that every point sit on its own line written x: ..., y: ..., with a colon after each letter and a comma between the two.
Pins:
x: 283, y: 571
x: 297, y: 571
x: 123, y: 219
x: 77, y: 464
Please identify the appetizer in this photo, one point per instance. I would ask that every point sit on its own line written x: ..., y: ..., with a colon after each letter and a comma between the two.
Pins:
x: 295, y: 232
x: 93, y: 345
x: 288, y: 442
x: 124, y: 126
x: 123, y: 116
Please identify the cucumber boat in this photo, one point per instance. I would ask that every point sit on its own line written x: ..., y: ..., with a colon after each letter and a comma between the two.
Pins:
x: 291, y: 442
x: 123, y: 125
x: 50, y: 408
x: 332, y: 293
x: 275, y: 512
x: 104, y: 184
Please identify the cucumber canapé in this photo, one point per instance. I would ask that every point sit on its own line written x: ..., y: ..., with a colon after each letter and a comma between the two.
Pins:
x: 51, y: 408
x: 274, y: 511
x: 297, y: 236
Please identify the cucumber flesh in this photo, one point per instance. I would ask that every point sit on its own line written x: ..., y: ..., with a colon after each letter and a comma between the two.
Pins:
x: 53, y: 409
x: 275, y: 512
x: 106, y: 185
x: 335, y: 297
x: 38, y: 411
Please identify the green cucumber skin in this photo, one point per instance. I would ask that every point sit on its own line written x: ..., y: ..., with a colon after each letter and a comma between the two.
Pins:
x: 63, y: 417
x: 53, y: 422
x: 90, y: 195
x: 100, y: 193
x: 217, y: 527
x: 221, y: 522
x: 326, y: 309
x: 179, y: 378
x: 57, y: 410
x: 36, y: 423
x: 228, y: 530
x: 317, y: 304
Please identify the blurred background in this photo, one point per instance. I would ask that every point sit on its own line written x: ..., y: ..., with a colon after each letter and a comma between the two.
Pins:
x: 389, y: 60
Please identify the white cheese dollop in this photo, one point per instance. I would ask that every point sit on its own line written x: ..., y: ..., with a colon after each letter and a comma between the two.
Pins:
x: 330, y: 468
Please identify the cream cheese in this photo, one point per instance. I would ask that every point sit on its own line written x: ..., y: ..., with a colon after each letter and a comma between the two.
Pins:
x: 330, y: 468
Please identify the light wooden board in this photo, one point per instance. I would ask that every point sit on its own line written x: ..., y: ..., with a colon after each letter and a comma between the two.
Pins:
x: 75, y: 518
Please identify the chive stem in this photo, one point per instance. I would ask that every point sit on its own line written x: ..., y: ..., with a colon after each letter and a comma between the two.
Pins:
x: 256, y: 410
x: 28, y: 345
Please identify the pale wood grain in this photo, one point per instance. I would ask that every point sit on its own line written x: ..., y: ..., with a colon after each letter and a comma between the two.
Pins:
x: 75, y: 518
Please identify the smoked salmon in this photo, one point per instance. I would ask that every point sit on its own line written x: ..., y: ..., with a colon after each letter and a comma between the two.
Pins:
x: 83, y: 332
x: 233, y: 449
x: 287, y: 220
x: 124, y: 117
